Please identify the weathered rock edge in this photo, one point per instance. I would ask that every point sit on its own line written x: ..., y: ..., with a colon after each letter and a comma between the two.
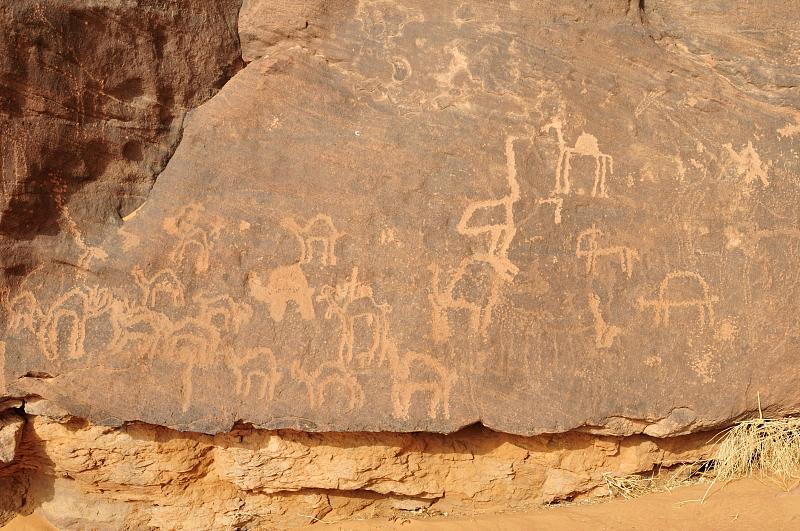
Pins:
x: 79, y: 475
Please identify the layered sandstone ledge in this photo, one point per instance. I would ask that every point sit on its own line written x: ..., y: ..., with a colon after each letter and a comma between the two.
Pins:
x: 79, y: 475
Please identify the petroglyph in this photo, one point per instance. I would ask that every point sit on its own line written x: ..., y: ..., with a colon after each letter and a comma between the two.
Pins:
x: 328, y: 382
x: 193, y: 343
x: 285, y: 284
x: 195, y: 231
x: 62, y: 333
x: 750, y: 237
x: 13, y: 158
x: 558, y: 204
x: 353, y: 303
x: 24, y: 313
x: 163, y: 287
x: 222, y: 312
x: 416, y: 373
x: 588, y: 248
x: 87, y: 252
x: 447, y: 299
x: 141, y: 331
x: 663, y: 304
x: 383, y: 20
x: 747, y: 164
x: 604, y: 334
x: 319, y: 230
x: 586, y: 146
x: 263, y: 373
x: 501, y: 234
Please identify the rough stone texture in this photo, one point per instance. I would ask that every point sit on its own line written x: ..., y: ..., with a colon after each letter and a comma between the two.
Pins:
x: 92, y: 101
x: 408, y: 215
x: 84, y: 476
x: 10, y: 434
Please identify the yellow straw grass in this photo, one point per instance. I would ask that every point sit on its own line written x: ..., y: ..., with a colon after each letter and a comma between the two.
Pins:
x: 765, y: 448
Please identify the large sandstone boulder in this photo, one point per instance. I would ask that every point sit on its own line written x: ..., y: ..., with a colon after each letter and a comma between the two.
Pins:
x: 406, y: 215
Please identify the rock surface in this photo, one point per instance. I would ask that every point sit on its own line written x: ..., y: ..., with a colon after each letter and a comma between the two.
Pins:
x: 10, y: 434
x: 406, y: 215
x: 84, y: 476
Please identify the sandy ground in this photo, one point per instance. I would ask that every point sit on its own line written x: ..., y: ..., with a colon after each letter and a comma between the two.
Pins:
x: 747, y: 504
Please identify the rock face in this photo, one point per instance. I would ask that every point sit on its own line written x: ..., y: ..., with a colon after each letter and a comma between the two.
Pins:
x: 83, y: 476
x: 411, y: 216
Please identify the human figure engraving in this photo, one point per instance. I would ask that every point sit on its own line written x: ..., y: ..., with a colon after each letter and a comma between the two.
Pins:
x: 585, y: 146
x: 194, y: 231
x: 588, y: 248
x: 24, y: 313
x: 663, y: 304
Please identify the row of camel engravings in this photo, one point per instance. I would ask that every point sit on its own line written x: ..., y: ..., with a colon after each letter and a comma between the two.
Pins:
x: 139, y: 328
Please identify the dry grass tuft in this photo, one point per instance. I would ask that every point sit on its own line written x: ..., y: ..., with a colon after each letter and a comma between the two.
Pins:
x: 765, y: 448
x: 631, y: 486
x: 768, y: 449
x: 635, y: 485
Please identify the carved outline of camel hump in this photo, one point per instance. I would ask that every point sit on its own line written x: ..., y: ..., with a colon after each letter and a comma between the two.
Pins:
x: 406, y: 383
x: 318, y: 229
x: 586, y: 145
x: 92, y: 302
x: 662, y: 305
x: 625, y: 254
x: 500, y: 235
x: 165, y: 282
x: 190, y: 236
x: 317, y: 382
x: 284, y: 284
x: 377, y: 319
